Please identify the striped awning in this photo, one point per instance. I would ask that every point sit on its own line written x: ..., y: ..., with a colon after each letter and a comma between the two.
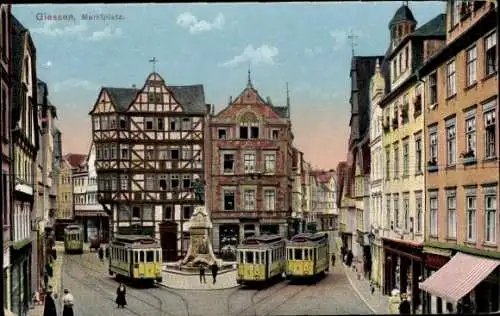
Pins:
x: 458, y: 277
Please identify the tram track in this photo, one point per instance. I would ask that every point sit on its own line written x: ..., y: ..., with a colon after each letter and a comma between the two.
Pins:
x: 269, y: 293
x: 90, y: 266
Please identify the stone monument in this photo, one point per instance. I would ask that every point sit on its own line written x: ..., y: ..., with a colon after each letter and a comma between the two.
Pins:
x: 199, y: 248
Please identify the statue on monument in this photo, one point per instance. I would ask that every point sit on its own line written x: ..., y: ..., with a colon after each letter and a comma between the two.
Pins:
x: 199, y: 191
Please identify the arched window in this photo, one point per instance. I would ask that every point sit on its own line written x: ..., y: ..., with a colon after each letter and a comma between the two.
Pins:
x: 5, y: 37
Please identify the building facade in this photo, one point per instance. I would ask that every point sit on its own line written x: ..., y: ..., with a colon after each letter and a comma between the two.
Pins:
x: 377, y: 216
x: 149, y: 153
x: 64, y: 202
x: 403, y: 145
x: 297, y: 191
x: 26, y: 145
x: 251, y: 172
x: 88, y: 212
x: 462, y: 169
x: 325, y: 200
x: 6, y: 172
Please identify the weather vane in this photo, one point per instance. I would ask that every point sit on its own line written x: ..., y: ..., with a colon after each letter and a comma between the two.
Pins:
x: 153, y: 61
x: 352, y: 37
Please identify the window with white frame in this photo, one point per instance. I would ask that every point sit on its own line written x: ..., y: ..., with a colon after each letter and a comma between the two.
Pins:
x: 451, y: 142
x: 406, y: 211
x: 454, y: 13
x: 249, y: 162
x: 451, y: 206
x: 470, y: 132
x: 124, y: 182
x: 124, y: 152
x: 249, y: 200
x: 490, y: 47
x: 229, y: 199
x: 395, y: 198
x: 406, y: 157
x: 228, y: 163
x: 418, y: 210
x: 418, y: 153
x: 433, y: 143
x: 269, y: 163
x: 470, y: 209
x: 388, y: 210
x: 387, y: 163
x: 433, y: 88
x: 471, y: 66
x: 451, y: 85
x: 396, y: 161
x: 433, y: 214
x: 490, y: 209
x: 489, y: 130
x: 269, y: 199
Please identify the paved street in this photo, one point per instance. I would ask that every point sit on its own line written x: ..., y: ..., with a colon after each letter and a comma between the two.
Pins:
x: 94, y: 293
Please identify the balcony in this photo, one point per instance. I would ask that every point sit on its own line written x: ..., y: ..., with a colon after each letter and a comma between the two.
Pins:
x: 469, y: 158
x: 432, y: 166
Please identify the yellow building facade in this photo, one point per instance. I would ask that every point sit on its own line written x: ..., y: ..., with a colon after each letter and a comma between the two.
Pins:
x: 64, y: 211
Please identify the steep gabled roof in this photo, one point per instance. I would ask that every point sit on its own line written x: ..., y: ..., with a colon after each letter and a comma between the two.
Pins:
x: 435, y: 27
x: 121, y: 97
x: 403, y: 14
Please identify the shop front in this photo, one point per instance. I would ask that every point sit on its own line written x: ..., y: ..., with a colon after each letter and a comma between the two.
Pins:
x: 21, y: 279
x: 403, y: 267
x: 434, y: 259
x: 463, y: 277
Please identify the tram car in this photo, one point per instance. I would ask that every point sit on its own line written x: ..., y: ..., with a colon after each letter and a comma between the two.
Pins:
x: 73, y: 239
x: 307, y: 255
x: 260, y: 259
x: 136, y: 258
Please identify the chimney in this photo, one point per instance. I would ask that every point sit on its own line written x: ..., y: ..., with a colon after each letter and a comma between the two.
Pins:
x: 269, y: 100
x: 230, y: 100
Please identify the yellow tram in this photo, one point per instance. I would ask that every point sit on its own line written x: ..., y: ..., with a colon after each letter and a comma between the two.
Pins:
x: 73, y: 239
x: 135, y: 257
x: 307, y: 255
x: 260, y: 258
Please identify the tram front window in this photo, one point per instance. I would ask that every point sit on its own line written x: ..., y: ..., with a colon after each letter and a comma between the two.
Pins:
x: 136, y: 257
x: 249, y: 257
x: 150, y: 256
x: 298, y: 254
x: 141, y: 255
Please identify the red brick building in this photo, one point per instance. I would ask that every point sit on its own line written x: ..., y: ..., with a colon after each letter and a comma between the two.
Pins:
x: 250, y: 176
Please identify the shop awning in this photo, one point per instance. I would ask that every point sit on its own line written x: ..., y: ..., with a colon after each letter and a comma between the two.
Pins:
x: 458, y: 277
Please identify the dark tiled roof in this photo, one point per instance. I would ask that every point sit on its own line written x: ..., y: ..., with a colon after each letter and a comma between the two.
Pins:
x: 18, y: 33
x: 281, y: 111
x: 403, y: 14
x: 121, y: 97
x: 435, y: 27
x: 191, y: 98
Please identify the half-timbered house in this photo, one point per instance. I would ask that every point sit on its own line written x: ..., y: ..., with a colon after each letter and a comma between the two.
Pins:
x: 25, y: 141
x: 251, y: 172
x: 149, y: 150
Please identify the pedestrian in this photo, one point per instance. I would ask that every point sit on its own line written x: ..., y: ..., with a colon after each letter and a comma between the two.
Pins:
x: 202, y: 274
x: 372, y: 287
x: 101, y: 254
x: 215, y: 269
x: 349, y: 258
x: 404, y: 306
x: 68, y: 303
x: 333, y: 260
x: 394, y: 301
x: 121, y: 291
x: 343, y: 253
x: 49, y: 308
x: 107, y: 252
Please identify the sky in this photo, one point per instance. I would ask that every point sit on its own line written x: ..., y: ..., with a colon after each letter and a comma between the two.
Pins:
x: 304, y: 44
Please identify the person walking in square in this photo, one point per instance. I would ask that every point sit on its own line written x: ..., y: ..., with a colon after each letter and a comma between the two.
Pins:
x: 121, y: 291
x: 333, y: 260
x: 49, y: 308
x: 68, y: 303
x: 202, y: 274
x: 215, y: 269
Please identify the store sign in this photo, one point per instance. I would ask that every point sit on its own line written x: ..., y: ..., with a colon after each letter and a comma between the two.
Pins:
x: 435, y: 261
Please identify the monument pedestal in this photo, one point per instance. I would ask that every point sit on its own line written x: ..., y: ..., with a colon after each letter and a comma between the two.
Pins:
x: 200, y: 246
